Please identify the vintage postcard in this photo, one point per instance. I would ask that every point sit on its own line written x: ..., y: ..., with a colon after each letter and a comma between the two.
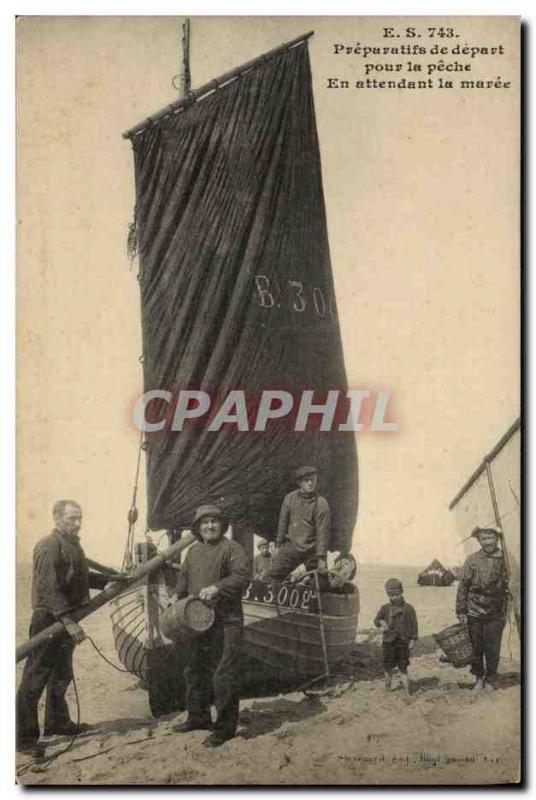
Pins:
x: 268, y: 490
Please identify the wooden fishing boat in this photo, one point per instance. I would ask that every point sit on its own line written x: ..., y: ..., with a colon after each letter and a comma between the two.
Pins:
x: 286, y: 637
x: 237, y: 294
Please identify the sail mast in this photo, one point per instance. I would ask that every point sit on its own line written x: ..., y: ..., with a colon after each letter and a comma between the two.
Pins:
x: 185, y: 84
x: 228, y: 190
x: 196, y: 94
x: 185, y: 67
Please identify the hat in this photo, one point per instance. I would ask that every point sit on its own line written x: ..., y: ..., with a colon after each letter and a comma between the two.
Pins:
x: 303, y: 472
x: 477, y: 531
x: 393, y: 584
x: 205, y: 511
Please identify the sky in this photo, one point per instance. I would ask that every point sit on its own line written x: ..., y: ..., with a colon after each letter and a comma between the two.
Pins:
x: 422, y: 204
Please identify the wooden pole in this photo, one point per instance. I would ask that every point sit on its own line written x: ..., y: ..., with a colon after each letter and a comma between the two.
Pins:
x: 100, y: 567
x: 503, y: 542
x: 493, y: 496
x: 115, y: 589
x: 196, y: 94
x: 321, y: 620
x: 185, y: 68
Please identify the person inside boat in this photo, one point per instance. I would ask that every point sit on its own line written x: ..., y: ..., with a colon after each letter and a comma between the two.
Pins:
x: 341, y: 577
x: 481, y: 603
x: 61, y: 581
x: 263, y: 560
x: 217, y: 570
x: 300, y: 575
x: 303, y: 529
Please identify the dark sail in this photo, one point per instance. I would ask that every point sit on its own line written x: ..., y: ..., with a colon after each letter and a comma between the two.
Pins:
x: 237, y: 294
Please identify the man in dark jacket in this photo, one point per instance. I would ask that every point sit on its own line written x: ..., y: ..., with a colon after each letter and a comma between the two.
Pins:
x: 303, y: 529
x: 481, y: 603
x: 217, y: 570
x: 60, y: 583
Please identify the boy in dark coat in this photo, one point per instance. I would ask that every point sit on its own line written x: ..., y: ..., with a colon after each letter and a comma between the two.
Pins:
x: 398, y: 621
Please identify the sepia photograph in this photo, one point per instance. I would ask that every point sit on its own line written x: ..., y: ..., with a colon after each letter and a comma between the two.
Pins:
x: 269, y: 430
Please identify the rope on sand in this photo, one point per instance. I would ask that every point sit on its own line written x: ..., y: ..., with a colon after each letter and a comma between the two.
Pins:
x: 101, y: 654
x: 44, y: 763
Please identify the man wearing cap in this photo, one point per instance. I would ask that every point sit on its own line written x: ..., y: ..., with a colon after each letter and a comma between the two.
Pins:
x: 481, y: 603
x: 217, y: 570
x: 303, y: 529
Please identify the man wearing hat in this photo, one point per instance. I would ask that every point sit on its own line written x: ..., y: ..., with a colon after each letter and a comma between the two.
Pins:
x: 217, y: 570
x: 481, y: 603
x: 303, y: 529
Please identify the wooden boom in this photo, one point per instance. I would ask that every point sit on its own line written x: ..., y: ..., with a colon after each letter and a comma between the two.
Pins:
x: 111, y: 591
x: 196, y: 94
x: 100, y: 567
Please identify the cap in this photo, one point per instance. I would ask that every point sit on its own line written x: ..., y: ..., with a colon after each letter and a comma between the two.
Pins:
x: 393, y: 584
x: 303, y: 472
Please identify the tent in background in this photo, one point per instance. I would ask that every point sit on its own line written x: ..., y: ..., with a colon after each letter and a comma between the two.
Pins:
x: 435, y: 575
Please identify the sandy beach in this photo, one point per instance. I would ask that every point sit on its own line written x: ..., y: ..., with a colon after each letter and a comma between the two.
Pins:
x: 357, y: 734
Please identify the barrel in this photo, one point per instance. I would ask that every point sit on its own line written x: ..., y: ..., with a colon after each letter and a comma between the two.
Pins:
x: 186, y: 619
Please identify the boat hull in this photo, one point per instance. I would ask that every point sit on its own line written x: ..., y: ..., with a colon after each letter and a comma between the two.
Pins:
x: 301, y: 642
x: 286, y: 643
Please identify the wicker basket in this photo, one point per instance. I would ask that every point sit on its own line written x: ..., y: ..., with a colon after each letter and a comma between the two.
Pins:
x: 456, y: 644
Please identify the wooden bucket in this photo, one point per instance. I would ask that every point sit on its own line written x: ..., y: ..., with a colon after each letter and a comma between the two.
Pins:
x: 186, y: 619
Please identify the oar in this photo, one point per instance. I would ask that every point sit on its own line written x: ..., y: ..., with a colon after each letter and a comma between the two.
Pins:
x: 111, y: 591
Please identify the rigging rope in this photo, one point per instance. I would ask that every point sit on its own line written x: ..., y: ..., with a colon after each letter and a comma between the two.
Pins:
x: 132, y: 237
x: 44, y: 763
x: 128, y: 557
